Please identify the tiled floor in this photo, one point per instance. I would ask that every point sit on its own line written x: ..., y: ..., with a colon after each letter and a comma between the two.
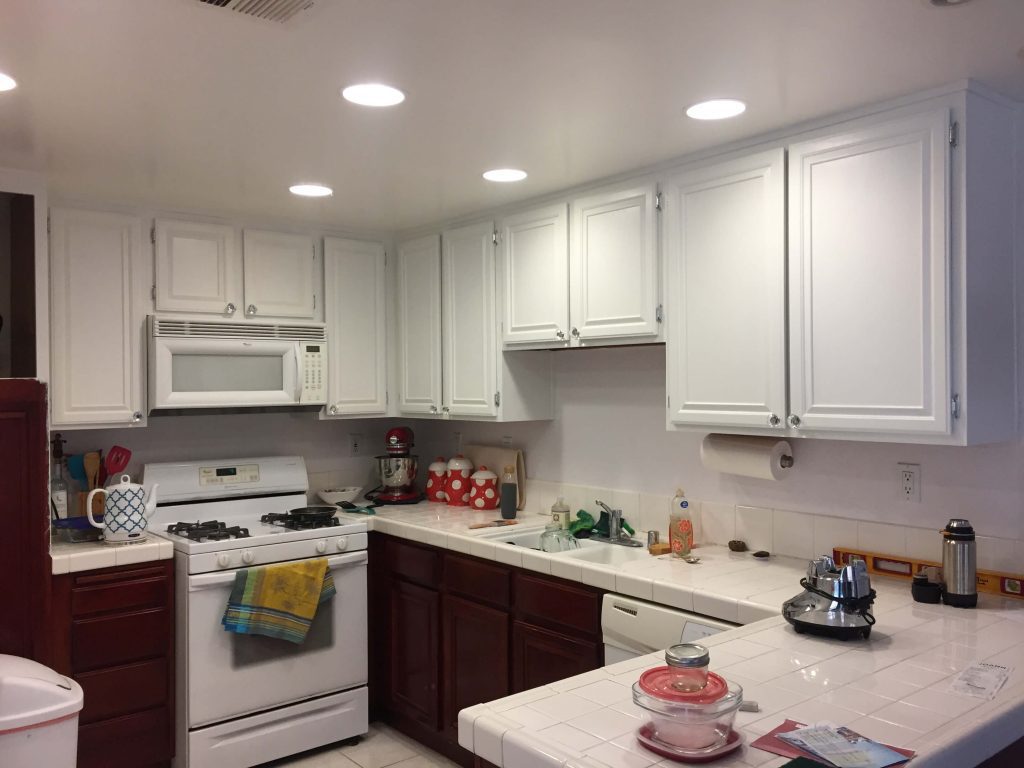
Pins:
x: 383, y: 747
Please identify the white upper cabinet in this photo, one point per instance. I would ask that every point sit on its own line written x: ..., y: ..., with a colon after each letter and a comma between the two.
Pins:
x: 97, y: 318
x: 614, y: 266
x: 725, y: 289
x: 469, y: 324
x: 419, y: 325
x: 535, y: 287
x: 354, y: 310
x: 869, y: 278
x: 197, y: 267
x: 280, y: 274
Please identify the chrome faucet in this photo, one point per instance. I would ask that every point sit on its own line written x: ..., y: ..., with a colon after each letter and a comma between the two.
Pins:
x: 615, y: 532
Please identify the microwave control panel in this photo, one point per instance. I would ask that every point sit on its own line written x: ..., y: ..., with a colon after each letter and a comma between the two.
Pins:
x: 314, y: 373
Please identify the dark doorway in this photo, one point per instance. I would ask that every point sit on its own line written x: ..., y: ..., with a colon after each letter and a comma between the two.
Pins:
x: 17, y: 286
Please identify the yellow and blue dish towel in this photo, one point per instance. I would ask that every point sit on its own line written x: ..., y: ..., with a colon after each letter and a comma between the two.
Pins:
x: 278, y: 600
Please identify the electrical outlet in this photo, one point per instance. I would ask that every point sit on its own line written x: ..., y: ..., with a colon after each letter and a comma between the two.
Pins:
x: 506, y: 441
x: 355, y: 444
x: 457, y: 442
x: 910, y: 482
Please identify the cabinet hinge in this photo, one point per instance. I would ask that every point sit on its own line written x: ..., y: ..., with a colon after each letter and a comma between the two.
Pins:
x: 668, y: 401
x: 494, y: 237
x: 659, y: 313
x: 47, y: 224
x: 657, y: 201
x: 314, y: 301
x: 152, y: 292
x: 497, y: 399
x: 954, y: 133
x: 152, y: 234
x: 954, y: 406
x: 387, y: 398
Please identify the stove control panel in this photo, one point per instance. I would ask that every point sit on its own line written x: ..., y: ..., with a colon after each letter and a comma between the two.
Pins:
x: 242, y: 473
x: 256, y: 555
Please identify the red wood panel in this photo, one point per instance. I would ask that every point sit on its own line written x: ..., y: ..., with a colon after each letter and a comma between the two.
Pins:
x: 23, y: 275
x: 24, y: 519
x: 476, y: 659
x: 117, y: 691
x: 552, y: 602
x: 470, y: 577
x: 415, y: 652
x: 134, y: 741
x: 540, y: 656
x: 126, y: 594
x: 414, y: 562
x: 119, y: 639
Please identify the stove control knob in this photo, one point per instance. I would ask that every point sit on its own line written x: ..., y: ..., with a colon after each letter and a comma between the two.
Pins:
x: 223, y: 560
x: 342, y: 545
x: 321, y: 546
x: 248, y: 557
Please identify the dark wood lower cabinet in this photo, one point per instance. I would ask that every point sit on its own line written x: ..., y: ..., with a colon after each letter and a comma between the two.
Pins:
x: 113, y: 632
x: 476, y: 658
x: 540, y: 656
x: 448, y: 631
x: 415, y: 640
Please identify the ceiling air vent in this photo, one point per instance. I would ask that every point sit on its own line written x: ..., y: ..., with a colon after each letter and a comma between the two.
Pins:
x: 268, y: 10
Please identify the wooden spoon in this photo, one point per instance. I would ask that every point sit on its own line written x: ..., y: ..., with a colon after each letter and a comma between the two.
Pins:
x: 91, y: 461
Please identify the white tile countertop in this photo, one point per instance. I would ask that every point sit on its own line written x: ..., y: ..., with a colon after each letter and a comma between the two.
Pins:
x: 89, y: 555
x: 725, y: 585
x: 892, y: 688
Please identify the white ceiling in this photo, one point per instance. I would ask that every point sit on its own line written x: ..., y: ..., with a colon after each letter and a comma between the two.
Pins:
x: 172, y: 103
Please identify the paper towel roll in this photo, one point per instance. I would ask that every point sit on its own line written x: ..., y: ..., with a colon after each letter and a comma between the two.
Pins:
x: 762, y: 457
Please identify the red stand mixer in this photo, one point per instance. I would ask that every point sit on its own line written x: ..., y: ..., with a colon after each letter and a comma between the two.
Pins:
x: 397, y: 470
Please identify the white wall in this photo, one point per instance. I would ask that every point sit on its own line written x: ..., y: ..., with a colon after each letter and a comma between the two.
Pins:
x: 609, y: 431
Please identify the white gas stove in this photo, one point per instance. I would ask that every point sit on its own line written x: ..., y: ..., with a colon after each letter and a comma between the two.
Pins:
x: 243, y: 699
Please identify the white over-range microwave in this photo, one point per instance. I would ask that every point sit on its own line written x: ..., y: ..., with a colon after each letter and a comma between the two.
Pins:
x: 213, y: 364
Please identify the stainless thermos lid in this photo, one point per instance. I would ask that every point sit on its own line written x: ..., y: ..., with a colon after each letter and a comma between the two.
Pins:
x: 959, y: 529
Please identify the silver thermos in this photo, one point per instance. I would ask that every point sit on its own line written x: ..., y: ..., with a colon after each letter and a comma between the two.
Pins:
x: 959, y: 565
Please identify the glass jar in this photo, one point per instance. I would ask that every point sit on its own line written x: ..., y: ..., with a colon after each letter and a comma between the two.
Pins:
x: 688, y: 664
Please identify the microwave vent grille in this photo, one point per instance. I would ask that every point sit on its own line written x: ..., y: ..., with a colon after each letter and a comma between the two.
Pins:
x: 268, y: 10
x: 200, y: 329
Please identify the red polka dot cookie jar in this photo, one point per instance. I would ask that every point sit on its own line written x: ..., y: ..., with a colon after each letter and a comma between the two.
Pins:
x: 457, y: 481
x: 483, y: 489
x: 437, y: 480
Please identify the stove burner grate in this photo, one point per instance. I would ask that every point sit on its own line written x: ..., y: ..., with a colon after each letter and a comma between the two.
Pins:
x: 302, y: 519
x: 208, y: 530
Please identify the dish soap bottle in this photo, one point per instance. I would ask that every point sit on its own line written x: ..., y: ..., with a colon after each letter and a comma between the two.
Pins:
x: 509, y: 493
x: 561, y: 514
x: 680, y: 526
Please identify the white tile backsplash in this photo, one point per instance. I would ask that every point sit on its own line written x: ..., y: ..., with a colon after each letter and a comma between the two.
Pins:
x: 792, y: 533
x: 832, y: 532
x: 654, y: 512
x: 718, y: 522
x: 881, y: 537
x: 754, y: 526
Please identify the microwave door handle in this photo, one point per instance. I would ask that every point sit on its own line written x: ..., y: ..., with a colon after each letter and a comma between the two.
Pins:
x: 298, y: 376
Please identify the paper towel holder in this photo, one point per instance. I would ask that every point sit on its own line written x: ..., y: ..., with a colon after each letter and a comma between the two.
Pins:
x: 786, y: 461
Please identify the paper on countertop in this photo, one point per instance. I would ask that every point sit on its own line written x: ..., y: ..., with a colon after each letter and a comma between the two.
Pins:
x: 981, y: 680
x: 842, y: 747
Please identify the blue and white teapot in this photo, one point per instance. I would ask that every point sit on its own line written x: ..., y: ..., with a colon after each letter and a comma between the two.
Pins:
x: 126, y: 510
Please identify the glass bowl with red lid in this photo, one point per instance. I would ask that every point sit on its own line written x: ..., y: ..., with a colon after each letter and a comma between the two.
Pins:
x: 690, y: 708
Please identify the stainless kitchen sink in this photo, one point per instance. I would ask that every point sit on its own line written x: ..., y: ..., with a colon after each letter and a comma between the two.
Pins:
x: 530, y: 539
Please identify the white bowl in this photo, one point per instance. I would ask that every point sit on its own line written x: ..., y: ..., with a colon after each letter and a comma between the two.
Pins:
x: 334, y: 495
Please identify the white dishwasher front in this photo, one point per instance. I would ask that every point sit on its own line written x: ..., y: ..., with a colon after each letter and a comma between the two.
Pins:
x: 634, y: 627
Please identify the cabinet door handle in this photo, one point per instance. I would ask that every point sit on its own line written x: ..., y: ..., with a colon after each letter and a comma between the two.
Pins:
x: 251, y: 309
x: 433, y: 408
x: 333, y: 410
x: 560, y: 335
x: 229, y: 309
x: 444, y: 409
x: 794, y: 421
x: 137, y: 417
x: 575, y: 333
x: 774, y: 421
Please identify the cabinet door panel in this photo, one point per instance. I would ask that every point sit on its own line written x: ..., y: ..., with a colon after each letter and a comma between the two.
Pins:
x: 535, y: 290
x: 419, y: 325
x: 469, y: 326
x: 476, y: 656
x: 868, y: 278
x: 279, y: 272
x: 726, y: 293
x: 614, y: 265
x: 354, y: 298
x: 97, y: 322
x: 415, y: 652
x: 197, y: 267
x: 540, y: 656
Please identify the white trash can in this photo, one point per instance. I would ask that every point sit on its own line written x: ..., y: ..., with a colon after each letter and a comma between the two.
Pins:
x: 38, y: 715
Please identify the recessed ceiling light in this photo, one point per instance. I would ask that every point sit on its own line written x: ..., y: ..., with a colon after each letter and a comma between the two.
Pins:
x: 7, y: 83
x: 716, y: 109
x: 311, y: 190
x: 373, y: 95
x: 505, y: 175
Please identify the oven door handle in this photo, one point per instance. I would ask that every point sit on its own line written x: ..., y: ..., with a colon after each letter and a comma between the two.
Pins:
x: 206, y: 580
